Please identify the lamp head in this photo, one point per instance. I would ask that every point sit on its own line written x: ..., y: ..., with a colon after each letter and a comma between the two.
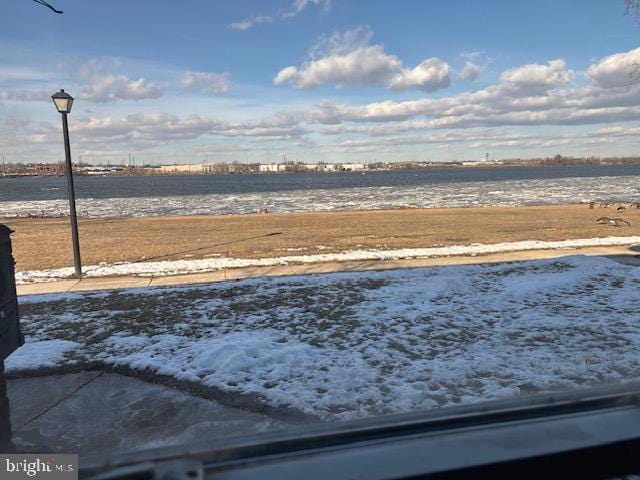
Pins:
x: 63, y: 101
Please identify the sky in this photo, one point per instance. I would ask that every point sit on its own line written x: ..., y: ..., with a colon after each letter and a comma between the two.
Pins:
x: 319, y: 80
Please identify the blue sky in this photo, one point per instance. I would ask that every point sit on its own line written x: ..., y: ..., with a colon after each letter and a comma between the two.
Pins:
x: 320, y: 80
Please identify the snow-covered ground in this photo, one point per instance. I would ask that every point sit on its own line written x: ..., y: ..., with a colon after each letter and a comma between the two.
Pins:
x: 176, y: 267
x: 350, y: 345
x: 457, y: 194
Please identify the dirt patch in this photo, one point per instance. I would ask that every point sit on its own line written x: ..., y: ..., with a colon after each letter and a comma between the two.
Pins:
x: 45, y: 243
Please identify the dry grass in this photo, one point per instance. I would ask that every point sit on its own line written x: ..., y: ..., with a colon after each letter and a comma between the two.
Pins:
x: 45, y: 243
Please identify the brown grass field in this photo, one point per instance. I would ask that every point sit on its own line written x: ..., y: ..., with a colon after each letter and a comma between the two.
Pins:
x: 45, y: 243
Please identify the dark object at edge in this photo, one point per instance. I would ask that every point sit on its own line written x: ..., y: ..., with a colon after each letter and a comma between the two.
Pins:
x: 10, y: 334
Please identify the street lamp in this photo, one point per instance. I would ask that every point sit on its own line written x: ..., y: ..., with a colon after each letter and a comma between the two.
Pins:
x: 63, y: 102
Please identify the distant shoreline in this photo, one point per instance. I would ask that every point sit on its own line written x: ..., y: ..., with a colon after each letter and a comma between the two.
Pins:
x: 86, y: 169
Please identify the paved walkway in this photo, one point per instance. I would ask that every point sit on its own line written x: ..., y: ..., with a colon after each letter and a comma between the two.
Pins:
x: 622, y: 254
x: 99, y: 413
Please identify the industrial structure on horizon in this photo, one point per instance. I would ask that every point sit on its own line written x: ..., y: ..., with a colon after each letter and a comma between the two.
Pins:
x: 55, y: 169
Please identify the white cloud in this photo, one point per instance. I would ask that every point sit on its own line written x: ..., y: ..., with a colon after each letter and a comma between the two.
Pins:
x: 242, y: 25
x: 364, y: 66
x: 101, y: 85
x: 535, y: 75
x: 299, y: 5
x: 26, y: 95
x: 432, y: 74
x: 617, y: 70
x: 109, y: 88
x: 150, y: 130
x: 287, y: 74
x: 250, y: 22
x: 469, y: 72
x: 209, y: 83
x: 470, y: 55
x: 489, y: 139
x: 533, y: 94
x: 348, y: 59
x: 294, y: 9
x: 22, y: 73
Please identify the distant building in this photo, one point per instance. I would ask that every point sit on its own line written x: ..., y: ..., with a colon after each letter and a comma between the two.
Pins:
x: 481, y: 163
x: 352, y: 167
x: 94, y: 170
x: 327, y: 167
x: 49, y: 169
x: 268, y: 167
x: 185, y: 168
x: 309, y: 167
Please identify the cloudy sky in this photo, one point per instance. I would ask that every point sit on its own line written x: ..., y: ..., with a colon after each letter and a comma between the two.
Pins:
x: 320, y: 80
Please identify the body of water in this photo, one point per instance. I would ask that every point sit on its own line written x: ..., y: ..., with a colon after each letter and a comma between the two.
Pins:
x: 226, y: 194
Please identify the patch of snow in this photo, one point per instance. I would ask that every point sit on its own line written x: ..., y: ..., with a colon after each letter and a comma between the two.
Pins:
x: 49, y: 297
x: 43, y: 353
x: 284, y: 370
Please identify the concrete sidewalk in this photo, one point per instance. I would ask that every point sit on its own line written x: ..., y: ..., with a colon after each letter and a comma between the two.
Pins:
x: 96, y: 412
x: 622, y: 254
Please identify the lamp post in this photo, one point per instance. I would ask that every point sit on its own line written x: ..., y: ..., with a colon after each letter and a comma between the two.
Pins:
x: 63, y: 102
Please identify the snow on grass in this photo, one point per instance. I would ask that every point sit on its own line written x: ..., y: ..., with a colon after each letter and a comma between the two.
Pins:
x: 176, y: 267
x: 39, y: 354
x: 353, y: 344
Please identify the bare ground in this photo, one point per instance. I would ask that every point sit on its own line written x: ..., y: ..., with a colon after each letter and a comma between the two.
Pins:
x: 45, y: 243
